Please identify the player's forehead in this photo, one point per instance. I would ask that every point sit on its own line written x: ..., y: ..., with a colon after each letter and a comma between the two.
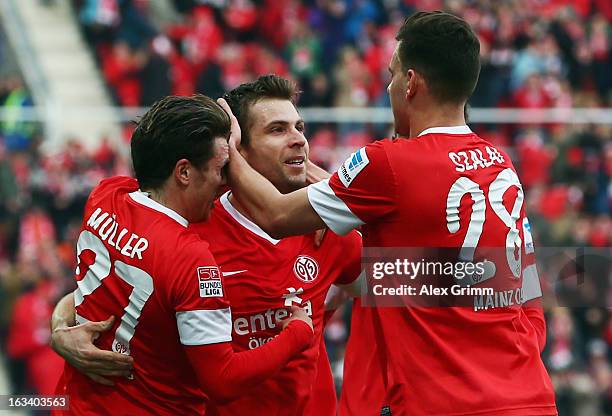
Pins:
x: 270, y: 110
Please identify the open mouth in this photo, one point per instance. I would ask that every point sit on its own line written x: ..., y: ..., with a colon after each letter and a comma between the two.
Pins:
x: 296, y: 161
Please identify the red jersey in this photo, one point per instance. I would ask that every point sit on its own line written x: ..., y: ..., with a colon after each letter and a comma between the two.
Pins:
x: 416, y: 193
x: 263, y: 276
x: 139, y: 262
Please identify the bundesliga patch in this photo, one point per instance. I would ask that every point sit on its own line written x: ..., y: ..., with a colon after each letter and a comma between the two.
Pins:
x: 527, y: 234
x: 209, y: 280
x: 352, y: 166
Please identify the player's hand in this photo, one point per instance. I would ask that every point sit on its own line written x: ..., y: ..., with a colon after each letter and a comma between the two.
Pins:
x: 235, y: 135
x: 297, y: 314
x: 315, y: 173
x: 75, y: 345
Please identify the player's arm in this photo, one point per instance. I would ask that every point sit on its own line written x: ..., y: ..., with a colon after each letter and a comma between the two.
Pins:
x: 204, y: 323
x: 225, y: 374
x: 75, y: 344
x: 314, y: 174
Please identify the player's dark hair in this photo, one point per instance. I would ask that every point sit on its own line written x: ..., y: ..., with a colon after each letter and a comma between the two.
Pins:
x: 444, y: 49
x: 241, y: 98
x: 176, y: 128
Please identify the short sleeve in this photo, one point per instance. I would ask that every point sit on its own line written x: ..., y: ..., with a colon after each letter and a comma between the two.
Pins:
x: 203, y: 314
x: 361, y: 191
x: 531, y: 281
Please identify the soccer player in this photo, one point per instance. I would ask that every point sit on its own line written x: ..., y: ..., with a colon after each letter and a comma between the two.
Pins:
x: 139, y: 261
x: 264, y: 275
x: 290, y: 271
x: 363, y: 389
x: 427, y: 189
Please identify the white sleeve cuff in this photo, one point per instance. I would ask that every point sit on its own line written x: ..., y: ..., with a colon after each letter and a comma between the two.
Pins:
x: 332, y: 210
x: 203, y: 327
x: 531, y: 283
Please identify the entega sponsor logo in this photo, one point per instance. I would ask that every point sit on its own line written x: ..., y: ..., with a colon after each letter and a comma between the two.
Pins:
x: 250, y: 325
x: 259, y: 321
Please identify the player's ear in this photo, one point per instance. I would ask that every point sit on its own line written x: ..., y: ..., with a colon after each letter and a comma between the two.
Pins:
x: 182, y: 171
x: 412, y: 79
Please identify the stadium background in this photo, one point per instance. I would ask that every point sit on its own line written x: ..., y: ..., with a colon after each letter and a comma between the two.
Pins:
x: 544, y: 95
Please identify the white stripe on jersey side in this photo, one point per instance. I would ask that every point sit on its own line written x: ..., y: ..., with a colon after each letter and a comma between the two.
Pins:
x: 332, y: 210
x: 531, y: 283
x: 203, y: 327
x: 244, y: 221
x: 143, y: 199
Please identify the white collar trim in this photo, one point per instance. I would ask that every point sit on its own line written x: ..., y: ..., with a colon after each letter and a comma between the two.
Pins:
x: 447, y: 130
x: 244, y: 221
x: 143, y: 199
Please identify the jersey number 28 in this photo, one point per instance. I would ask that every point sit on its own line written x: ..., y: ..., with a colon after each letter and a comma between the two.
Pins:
x: 504, y: 181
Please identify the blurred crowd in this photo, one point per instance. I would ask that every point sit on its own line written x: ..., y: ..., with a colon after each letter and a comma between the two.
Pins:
x: 535, y: 54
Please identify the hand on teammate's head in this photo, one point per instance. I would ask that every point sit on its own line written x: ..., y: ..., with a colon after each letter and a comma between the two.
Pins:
x: 235, y: 135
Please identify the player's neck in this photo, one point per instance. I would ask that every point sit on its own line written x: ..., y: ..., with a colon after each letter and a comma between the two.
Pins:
x: 238, y: 206
x: 157, y: 195
x: 162, y: 198
x: 436, y: 116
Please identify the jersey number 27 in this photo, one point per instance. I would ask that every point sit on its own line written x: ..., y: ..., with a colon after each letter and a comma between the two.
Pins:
x: 140, y: 281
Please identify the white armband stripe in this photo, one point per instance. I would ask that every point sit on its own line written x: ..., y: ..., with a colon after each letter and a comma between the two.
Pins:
x: 203, y: 327
x: 332, y: 210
